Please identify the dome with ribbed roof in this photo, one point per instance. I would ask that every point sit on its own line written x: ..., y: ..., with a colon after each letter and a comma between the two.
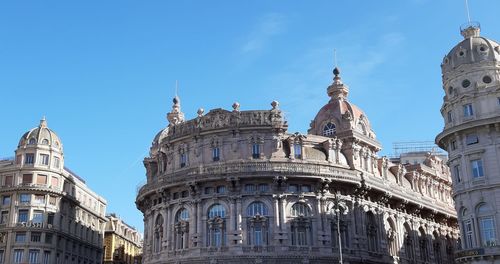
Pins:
x: 472, y: 49
x: 339, y: 116
x: 41, y: 135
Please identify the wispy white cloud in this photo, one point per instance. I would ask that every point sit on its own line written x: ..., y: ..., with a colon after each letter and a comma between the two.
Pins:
x: 268, y: 26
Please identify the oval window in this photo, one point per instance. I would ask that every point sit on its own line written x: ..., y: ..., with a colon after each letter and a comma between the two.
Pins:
x: 487, y: 79
x: 465, y: 83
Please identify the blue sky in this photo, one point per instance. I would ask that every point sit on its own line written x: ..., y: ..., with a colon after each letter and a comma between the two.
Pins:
x: 103, y: 72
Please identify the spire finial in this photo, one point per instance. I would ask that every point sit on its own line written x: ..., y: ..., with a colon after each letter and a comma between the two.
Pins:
x: 176, y: 87
x: 43, y: 122
x: 176, y: 115
x: 467, y: 10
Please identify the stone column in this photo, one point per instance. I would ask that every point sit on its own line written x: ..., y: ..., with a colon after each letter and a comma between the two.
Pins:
x: 166, y: 229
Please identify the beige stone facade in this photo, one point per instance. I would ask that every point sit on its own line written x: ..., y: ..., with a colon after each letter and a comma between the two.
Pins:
x: 471, y: 110
x: 122, y: 243
x: 237, y: 187
x: 47, y: 213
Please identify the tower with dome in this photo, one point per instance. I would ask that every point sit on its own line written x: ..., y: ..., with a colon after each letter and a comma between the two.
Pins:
x: 471, y: 113
x: 235, y: 186
x: 47, y: 213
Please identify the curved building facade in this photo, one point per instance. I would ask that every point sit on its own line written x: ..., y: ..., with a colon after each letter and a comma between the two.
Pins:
x: 471, y: 110
x: 237, y: 187
x: 47, y: 213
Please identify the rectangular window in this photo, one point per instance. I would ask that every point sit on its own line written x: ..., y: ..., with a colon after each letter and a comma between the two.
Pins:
x: 22, y: 216
x: 6, y: 200
x: 29, y: 158
x: 293, y: 188
x: 48, y: 238
x: 183, y: 160
x: 50, y: 218
x: 27, y: 178
x: 46, y: 257
x: 488, y: 236
x: 54, y: 182
x: 41, y: 179
x: 468, y: 234
x: 44, y: 159
x: 471, y: 139
x: 221, y: 189
x: 456, y: 171
x: 297, y: 149
x: 52, y: 200
x: 4, y: 217
x: 305, y: 188
x: 20, y: 236
x: 57, y: 162
x: 209, y: 190
x: 453, y: 145
x: 216, y: 154
x: 37, y: 216
x: 256, y: 151
x: 468, y: 110
x: 249, y: 188
x: 33, y: 256
x: 8, y: 180
x: 18, y: 255
x: 263, y: 187
x: 450, y: 118
x: 24, y: 198
x: 36, y: 236
x: 477, y: 168
x: 39, y: 199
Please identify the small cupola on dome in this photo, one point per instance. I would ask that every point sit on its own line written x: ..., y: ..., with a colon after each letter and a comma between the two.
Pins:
x: 339, y: 117
x: 175, y: 116
x: 473, y: 50
x: 41, y: 136
x: 337, y: 90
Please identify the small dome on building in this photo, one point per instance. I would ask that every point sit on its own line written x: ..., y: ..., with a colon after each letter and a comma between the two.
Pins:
x: 472, y: 49
x: 339, y: 115
x: 41, y: 135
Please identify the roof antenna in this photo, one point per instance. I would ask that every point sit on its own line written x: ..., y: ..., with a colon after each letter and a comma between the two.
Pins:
x: 335, y: 56
x: 467, y: 9
x: 176, y: 87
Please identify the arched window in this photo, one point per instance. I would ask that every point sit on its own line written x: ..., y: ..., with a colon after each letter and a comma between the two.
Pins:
x: 258, y: 224
x: 329, y: 129
x: 301, y: 224
x: 424, y: 245
x: 216, y: 226
x: 181, y: 235
x: 468, y: 234
x: 408, y: 242
x: 485, y: 219
x: 371, y: 232
x: 45, y: 141
x: 437, y: 247
x: 158, y: 234
x: 32, y: 141
x: 343, y: 225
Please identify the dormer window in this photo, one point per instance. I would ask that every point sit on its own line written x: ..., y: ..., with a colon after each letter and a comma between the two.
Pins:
x: 45, y: 141
x: 32, y: 141
x: 297, y: 149
x: 329, y: 130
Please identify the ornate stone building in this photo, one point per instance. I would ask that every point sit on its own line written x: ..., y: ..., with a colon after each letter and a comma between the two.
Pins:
x: 237, y: 187
x: 47, y: 213
x: 122, y: 243
x: 471, y: 110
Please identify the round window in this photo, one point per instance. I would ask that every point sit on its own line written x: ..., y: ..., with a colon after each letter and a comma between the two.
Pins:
x: 465, y: 83
x: 461, y: 53
x: 487, y: 79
